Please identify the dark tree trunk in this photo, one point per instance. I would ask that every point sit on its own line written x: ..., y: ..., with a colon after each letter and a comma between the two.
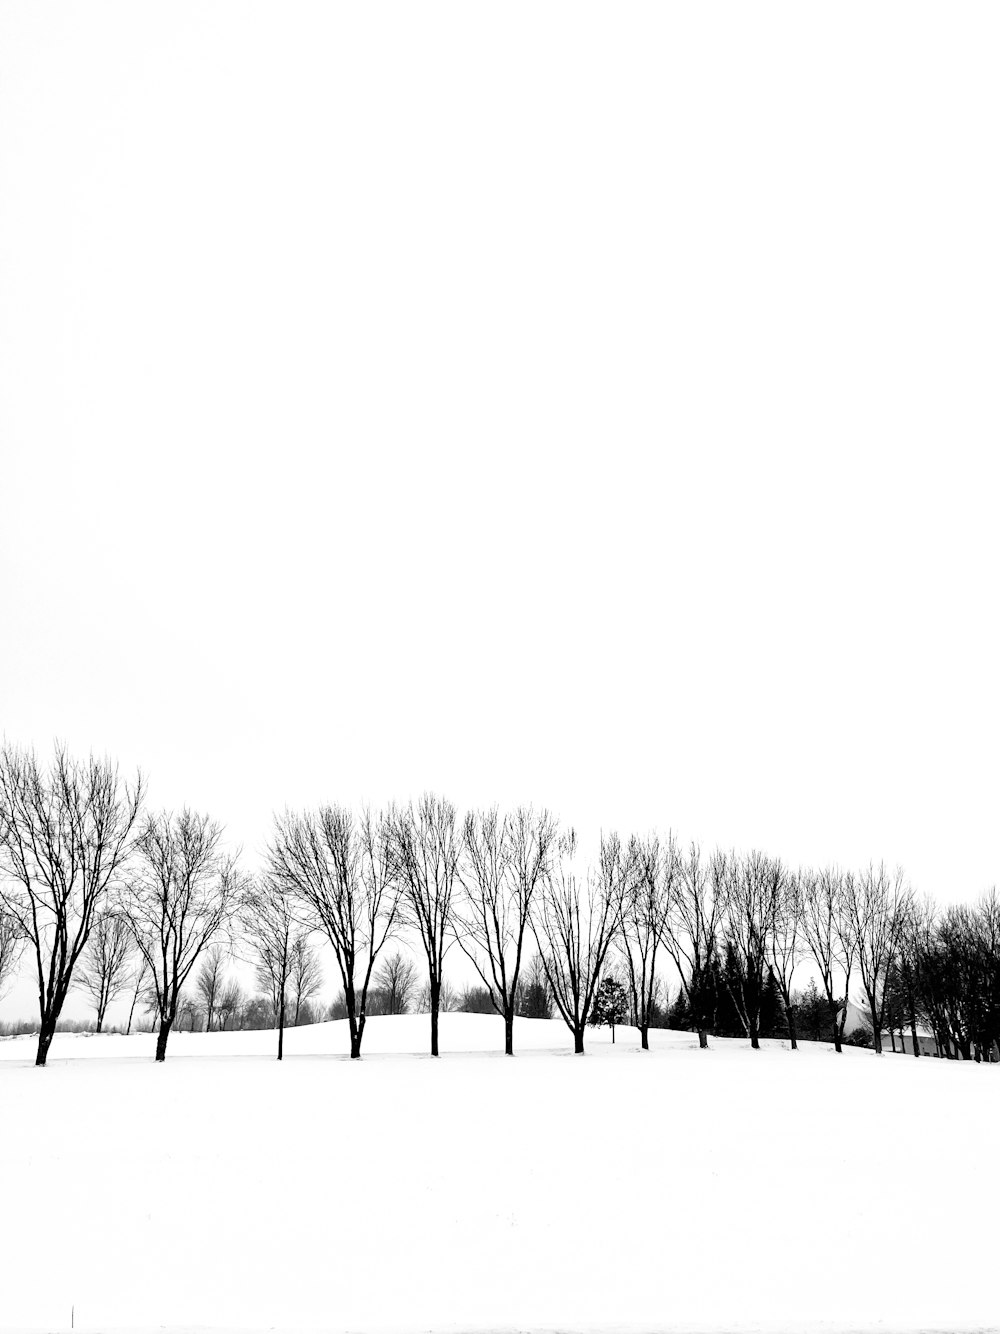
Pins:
x: 281, y: 1026
x: 508, y: 1032
x: 703, y: 1039
x: 161, y: 1039
x: 357, y: 1032
x: 355, y: 1025
x: 913, y: 1029
x: 578, y: 1041
x: 435, y: 1007
x: 792, y: 1030
x: 892, y: 1039
x: 45, y: 1035
x: 754, y: 1027
x: 644, y: 1036
x: 876, y: 1026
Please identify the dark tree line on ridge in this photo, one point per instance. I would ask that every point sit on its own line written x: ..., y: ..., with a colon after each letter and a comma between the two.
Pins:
x: 116, y: 900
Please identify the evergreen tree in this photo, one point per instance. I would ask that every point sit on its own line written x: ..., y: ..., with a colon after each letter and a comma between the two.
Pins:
x: 728, y: 1023
x: 813, y: 1011
x: 679, y: 1013
x: 772, y: 1013
x: 610, y: 1004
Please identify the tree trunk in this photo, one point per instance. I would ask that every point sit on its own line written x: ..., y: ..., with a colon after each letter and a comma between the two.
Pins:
x: 435, y: 1007
x: 612, y: 1035
x: 792, y: 1032
x: 754, y: 1027
x: 508, y: 1032
x: 281, y: 1026
x: 913, y: 1030
x: 892, y: 1039
x: 46, y: 1033
x: 578, y: 1041
x: 161, y: 1039
x: 703, y: 1039
x: 644, y: 1036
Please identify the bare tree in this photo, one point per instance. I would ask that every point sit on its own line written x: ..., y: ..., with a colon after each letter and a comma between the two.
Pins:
x: 396, y: 981
x: 449, y: 1001
x: 187, y: 1008
x: 786, y: 944
x: 914, y: 940
x: 504, y: 861
x: 210, y: 982
x: 230, y: 1005
x: 646, y: 907
x: 65, y: 837
x: 105, y: 966
x: 185, y: 894
x: 139, y: 979
x: 342, y: 876
x: 426, y: 846
x: 829, y: 939
x: 877, y: 905
x: 692, y: 933
x: 269, y: 928
x: 12, y: 942
x: 306, y: 975
x: 753, y: 892
x: 574, y: 919
x: 534, y: 1000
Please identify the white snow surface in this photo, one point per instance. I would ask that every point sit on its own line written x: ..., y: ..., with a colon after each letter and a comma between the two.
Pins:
x: 674, y: 1189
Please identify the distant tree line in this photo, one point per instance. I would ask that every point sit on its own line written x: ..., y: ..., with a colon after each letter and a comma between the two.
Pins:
x: 107, y: 897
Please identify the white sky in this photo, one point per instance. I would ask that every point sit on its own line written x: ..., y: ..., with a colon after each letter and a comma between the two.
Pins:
x: 592, y: 405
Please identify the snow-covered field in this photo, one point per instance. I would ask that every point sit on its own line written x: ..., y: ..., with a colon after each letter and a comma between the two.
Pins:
x: 667, y: 1190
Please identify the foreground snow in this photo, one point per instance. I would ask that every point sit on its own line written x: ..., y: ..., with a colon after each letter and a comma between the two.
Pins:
x: 674, y: 1189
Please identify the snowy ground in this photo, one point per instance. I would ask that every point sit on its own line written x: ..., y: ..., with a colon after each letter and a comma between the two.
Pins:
x: 668, y: 1190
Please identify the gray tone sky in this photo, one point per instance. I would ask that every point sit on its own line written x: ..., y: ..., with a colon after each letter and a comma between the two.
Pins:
x: 595, y: 406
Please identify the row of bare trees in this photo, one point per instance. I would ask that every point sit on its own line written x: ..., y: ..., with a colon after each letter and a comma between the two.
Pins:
x: 88, y: 880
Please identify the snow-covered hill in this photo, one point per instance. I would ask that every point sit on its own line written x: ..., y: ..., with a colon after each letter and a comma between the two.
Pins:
x: 671, y: 1189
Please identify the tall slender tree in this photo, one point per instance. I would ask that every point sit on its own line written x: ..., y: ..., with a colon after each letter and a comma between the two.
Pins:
x: 574, y: 920
x: 305, y: 975
x: 877, y: 905
x: 184, y: 896
x: 211, y: 981
x: 692, y: 933
x: 268, y: 924
x: 104, y: 971
x: 646, y: 907
x: 829, y: 940
x: 342, y: 875
x: 754, y: 887
x: 426, y: 845
x: 66, y: 834
x: 786, y: 945
x: 505, y: 860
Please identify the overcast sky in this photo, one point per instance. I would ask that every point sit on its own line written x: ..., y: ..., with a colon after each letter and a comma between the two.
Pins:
x: 589, y: 405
